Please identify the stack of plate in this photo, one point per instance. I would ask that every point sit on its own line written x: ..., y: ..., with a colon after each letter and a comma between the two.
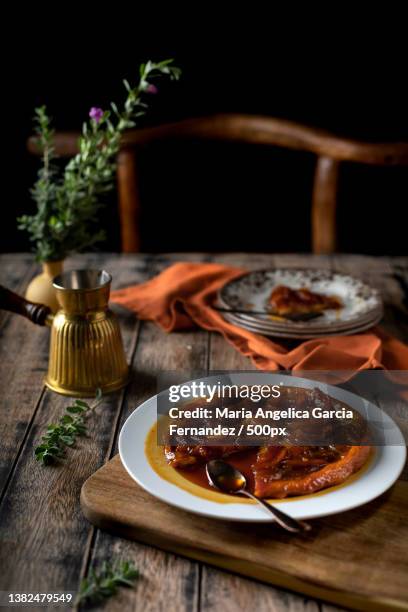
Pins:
x: 243, y: 299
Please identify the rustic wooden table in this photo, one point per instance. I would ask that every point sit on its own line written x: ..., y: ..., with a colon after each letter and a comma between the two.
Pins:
x: 45, y: 542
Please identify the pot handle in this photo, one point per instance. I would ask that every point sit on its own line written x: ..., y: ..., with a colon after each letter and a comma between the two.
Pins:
x: 37, y: 313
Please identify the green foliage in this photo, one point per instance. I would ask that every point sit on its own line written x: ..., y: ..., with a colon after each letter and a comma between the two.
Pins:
x: 70, y: 426
x: 103, y: 583
x: 68, y: 205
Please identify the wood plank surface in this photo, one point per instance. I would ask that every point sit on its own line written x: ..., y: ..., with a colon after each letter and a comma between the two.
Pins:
x: 45, y: 542
x: 167, y: 581
x: 43, y: 535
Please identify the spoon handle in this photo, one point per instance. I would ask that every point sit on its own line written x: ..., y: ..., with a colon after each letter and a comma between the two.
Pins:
x: 284, y: 520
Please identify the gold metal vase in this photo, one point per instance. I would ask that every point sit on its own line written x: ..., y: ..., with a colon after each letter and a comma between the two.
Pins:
x: 86, y: 349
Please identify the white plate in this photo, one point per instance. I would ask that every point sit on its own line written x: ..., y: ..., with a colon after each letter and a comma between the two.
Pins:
x: 295, y: 334
x: 381, y: 472
x: 282, y: 325
x: 252, y: 292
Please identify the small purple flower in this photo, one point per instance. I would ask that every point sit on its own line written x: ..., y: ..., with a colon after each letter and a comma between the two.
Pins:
x: 96, y: 114
x: 152, y: 89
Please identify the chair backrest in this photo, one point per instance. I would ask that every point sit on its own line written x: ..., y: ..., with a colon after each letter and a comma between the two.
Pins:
x: 329, y: 149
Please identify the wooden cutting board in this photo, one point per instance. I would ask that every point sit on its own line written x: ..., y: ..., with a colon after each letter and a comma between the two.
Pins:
x: 358, y: 559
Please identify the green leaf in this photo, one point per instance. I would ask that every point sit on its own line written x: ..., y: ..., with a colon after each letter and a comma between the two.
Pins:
x: 75, y: 409
x: 66, y: 419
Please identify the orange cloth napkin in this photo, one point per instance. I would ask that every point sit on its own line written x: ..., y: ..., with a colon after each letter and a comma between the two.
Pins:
x: 183, y: 294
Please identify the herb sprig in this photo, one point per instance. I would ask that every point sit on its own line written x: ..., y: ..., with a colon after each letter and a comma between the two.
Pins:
x: 103, y: 583
x: 68, y: 203
x: 70, y: 426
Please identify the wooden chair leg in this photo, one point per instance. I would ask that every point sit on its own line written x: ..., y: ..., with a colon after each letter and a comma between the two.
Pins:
x: 129, y: 201
x: 324, y: 202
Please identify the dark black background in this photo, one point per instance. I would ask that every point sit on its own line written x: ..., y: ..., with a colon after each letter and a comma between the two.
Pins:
x: 328, y: 70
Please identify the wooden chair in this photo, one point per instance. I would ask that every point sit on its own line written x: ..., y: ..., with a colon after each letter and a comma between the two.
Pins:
x: 329, y: 149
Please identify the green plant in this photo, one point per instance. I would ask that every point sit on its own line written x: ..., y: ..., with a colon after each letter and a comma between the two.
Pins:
x: 103, y: 583
x: 68, y: 205
x: 70, y: 426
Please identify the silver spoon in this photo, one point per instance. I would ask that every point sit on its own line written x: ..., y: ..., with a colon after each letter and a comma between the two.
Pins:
x: 227, y: 478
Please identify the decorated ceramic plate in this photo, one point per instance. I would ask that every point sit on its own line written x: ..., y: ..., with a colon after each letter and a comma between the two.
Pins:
x: 359, y: 303
x: 144, y: 460
x: 298, y: 334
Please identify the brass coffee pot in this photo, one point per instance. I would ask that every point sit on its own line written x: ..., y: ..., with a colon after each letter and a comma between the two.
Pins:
x: 86, y: 349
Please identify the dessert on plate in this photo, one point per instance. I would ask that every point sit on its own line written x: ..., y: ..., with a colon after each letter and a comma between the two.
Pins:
x: 285, y: 470
x: 287, y: 302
